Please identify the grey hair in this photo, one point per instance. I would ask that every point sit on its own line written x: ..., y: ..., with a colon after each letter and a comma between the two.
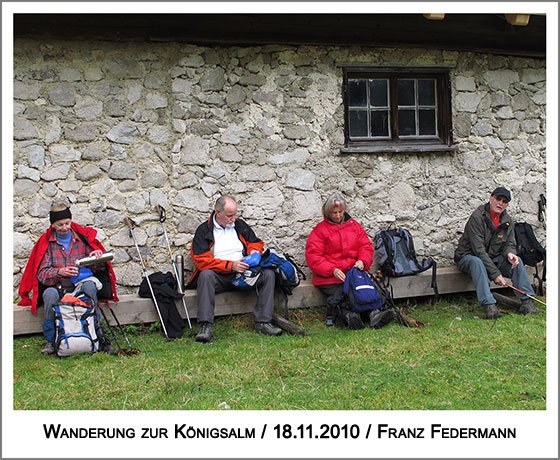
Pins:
x: 221, y: 202
x: 336, y: 200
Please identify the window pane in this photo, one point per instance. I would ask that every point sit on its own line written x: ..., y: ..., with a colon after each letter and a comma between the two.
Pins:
x: 427, y: 122
x: 380, y: 123
x: 357, y: 93
x: 407, y: 122
x: 426, y: 92
x: 378, y: 93
x: 406, y: 92
x: 358, y: 123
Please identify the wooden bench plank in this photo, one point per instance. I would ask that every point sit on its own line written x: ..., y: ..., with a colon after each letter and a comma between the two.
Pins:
x: 132, y: 309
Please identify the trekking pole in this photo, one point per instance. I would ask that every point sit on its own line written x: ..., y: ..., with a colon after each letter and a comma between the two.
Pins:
x: 542, y: 210
x: 121, y: 328
x: 131, y: 224
x: 388, y: 295
x: 110, y: 328
x: 530, y: 296
x: 161, y: 212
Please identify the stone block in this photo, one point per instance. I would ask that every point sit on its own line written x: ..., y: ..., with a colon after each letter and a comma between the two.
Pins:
x: 35, y: 156
x: 26, y: 91
x: 24, y: 129
x: 192, y: 199
x: 465, y: 83
x: 122, y: 170
x: 85, y: 132
x: 89, y: 108
x: 213, y: 80
x: 123, y: 133
x: 56, y: 173
x: 500, y: 80
x: 301, y: 179
x: 60, y: 153
x: 87, y: 172
x: 63, y: 95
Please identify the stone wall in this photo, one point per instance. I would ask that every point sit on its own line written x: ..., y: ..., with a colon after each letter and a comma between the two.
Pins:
x: 121, y: 127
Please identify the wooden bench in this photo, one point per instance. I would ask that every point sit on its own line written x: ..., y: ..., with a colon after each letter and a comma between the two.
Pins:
x: 132, y: 309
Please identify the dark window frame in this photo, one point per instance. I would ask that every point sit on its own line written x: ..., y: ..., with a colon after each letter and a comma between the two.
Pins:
x: 443, y: 141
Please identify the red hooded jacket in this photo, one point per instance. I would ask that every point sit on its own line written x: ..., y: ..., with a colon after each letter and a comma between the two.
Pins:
x: 331, y: 246
x: 29, y: 281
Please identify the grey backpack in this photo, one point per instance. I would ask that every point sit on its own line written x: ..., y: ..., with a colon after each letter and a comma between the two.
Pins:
x: 75, y: 326
x: 395, y: 255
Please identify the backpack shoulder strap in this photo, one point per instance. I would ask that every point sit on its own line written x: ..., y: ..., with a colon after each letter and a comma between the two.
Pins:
x: 298, y: 270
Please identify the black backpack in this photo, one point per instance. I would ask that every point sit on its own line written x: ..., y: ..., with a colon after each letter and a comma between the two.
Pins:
x: 395, y: 255
x: 530, y: 250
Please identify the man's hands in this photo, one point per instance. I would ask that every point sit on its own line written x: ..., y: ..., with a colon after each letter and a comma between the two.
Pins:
x: 513, y: 260
x: 239, y: 266
x: 500, y: 281
x: 68, y: 272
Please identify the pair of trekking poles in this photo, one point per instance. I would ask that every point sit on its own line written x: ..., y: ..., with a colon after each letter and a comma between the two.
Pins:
x: 131, y: 224
x: 106, y: 257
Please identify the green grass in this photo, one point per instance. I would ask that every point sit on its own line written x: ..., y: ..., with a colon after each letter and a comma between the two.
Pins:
x: 450, y: 364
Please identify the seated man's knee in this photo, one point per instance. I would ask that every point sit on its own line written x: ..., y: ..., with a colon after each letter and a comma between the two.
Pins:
x: 51, y: 296
x: 268, y: 274
x: 206, y: 277
x: 90, y: 289
x: 474, y: 262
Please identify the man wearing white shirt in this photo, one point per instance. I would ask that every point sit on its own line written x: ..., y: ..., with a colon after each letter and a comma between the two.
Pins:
x: 219, y: 245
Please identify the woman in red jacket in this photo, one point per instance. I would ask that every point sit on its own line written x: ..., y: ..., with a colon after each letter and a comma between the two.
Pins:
x: 335, y: 245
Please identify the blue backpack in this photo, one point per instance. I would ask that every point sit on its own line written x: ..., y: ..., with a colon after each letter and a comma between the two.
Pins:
x: 361, y: 291
x: 288, y: 274
x: 249, y: 277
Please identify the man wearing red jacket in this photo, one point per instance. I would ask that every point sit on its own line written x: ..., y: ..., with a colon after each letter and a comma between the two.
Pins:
x: 334, y: 246
x: 53, y: 263
x: 218, y: 247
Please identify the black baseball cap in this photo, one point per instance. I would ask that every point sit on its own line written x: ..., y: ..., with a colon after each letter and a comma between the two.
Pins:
x: 502, y: 191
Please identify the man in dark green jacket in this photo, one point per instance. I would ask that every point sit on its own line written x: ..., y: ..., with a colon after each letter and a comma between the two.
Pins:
x: 486, y: 250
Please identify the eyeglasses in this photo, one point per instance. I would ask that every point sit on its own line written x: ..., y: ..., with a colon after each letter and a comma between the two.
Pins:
x: 501, y: 199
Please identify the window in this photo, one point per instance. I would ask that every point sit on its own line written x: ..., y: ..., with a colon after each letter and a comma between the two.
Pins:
x: 397, y: 109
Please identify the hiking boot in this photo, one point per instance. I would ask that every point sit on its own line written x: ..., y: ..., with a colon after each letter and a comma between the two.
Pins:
x: 380, y: 318
x: 109, y: 349
x: 267, y: 329
x: 329, y: 321
x: 527, y: 306
x: 48, y: 349
x: 353, y: 321
x: 491, y: 311
x: 105, y: 346
x: 205, y: 333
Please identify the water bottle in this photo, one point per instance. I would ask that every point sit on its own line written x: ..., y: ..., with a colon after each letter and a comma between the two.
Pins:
x: 180, y: 270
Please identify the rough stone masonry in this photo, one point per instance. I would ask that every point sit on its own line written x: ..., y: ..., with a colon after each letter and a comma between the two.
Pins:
x: 118, y: 128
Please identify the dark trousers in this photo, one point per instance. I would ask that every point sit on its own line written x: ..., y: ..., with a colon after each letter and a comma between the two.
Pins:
x: 330, y: 290
x: 210, y: 283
